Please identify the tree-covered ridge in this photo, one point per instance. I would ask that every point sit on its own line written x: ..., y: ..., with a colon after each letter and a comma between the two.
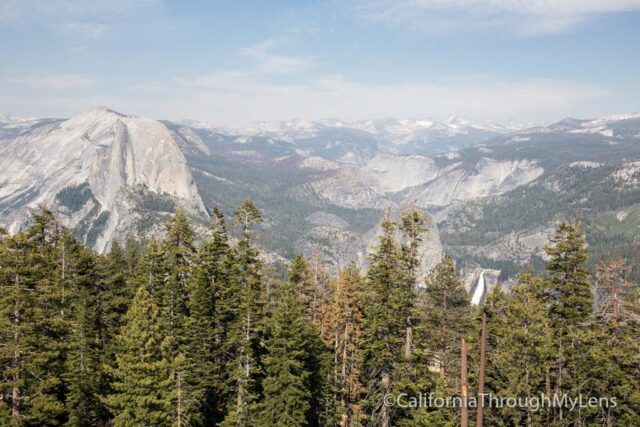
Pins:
x: 181, y: 333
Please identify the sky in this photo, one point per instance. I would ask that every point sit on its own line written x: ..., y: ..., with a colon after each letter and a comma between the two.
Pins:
x: 232, y: 63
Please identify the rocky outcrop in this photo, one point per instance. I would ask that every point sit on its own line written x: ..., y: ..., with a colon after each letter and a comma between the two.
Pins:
x: 86, y: 169
x: 487, y: 177
x: 388, y: 173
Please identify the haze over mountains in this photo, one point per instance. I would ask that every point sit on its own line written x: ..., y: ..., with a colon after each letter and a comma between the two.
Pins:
x: 493, y: 191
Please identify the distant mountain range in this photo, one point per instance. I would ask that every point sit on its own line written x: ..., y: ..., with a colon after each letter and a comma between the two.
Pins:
x: 492, y: 190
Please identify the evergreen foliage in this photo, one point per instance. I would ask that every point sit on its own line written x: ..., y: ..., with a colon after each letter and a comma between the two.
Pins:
x: 143, y: 380
x: 193, y: 331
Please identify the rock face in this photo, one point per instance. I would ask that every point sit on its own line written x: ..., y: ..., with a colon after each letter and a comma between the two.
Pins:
x: 388, y: 173
x: 346, y: 188
x: 487, y: 177
x: 323, y: 186
x: 87, y: 169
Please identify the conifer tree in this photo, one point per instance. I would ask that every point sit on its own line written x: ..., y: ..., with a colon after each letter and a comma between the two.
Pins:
x: 286, y: 383
x: 610, y: 358
x: 151, y: 271
x: 298, y: 271
x: 314, y: 300
x: 446, y: 317
x: 612, y: 283
x: 132, y: 251
x: 384, y: 324
x: 568, y: 286
x: 347, y: 329
x: 208, y: 316
x: 30, y: 355
x: 83, y: 373
x: 523, y: 346
x: 114, y: 294
x: 143, y: 377
x: 320, y: 294
x: 412, y: 226
x: 246, y: 328
x: 179, y: 251
x: 569, y: 303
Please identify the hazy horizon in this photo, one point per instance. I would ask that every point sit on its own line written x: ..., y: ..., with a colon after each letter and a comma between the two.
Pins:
x: 213, y: 62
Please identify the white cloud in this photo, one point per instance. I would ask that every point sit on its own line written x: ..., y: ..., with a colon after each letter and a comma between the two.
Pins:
x: 51, y: 81
x: 234, y: 99
x: 269, y: 62
x: 87, y: 19
x: 16, y: 9
x: 265, y: 66
x: 87, y: 30
x: 523, y: 17
x: 256, y: 93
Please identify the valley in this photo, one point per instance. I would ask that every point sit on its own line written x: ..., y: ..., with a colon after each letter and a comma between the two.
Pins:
x: 493, y: 192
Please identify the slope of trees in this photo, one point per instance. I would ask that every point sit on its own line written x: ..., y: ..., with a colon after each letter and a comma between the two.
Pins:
x: 194, y: 331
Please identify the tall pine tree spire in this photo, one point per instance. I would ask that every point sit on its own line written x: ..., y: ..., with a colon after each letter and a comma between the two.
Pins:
x: 286, y: 383
x: 568, y: 284
x: 143, y: 378
x: 246, y: 327
x: 384, y: 325
x: 209, y: 308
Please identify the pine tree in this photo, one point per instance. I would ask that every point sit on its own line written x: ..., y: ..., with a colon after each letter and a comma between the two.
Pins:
x: 206, y: 325
x: 83, y: 373
x: 83, y: 368
x: 114, y: 295
x: 286, y: 383
x: 413, y: 376
x: 179, y: 252
x: 384, y: 324
x: 610, y: 357
x: 30, y: 355
x: 612, y: 283
x: 132, y: 251
x: 319, y: 294
x: 412, y: 226
x: 246, y: 327
x: 523, y: 345
x: 446, y: 318
x: 568, y: 286
x: 610, y: 367
x: 298, y: 271
x: 569, y: 301
x: 143, y: 377
x: 151, y: 271
x: 346, y: 327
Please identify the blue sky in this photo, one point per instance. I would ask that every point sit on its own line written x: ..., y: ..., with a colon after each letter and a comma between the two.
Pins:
x: 236, y: 62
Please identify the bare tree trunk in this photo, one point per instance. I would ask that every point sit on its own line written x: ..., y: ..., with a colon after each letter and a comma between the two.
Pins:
x: 483, y: 362
x: 548, y: 391
x: 464, y: 391
x: 179, y: 421
x: 15, y: 392
x: 63, y: 279
x: 408, y: 340
x: 344, y: 360
x: 385, y: 416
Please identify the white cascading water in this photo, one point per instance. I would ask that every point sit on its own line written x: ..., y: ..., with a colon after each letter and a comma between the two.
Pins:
x: 479, y: 291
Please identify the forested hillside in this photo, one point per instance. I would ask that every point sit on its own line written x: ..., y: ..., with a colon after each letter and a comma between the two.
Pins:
x: 198, y: 331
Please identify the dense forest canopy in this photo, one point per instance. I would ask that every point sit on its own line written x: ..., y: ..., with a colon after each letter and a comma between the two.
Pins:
x: 197, y: 331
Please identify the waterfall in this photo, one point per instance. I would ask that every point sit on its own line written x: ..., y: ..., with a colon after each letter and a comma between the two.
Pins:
x: 479, y: 291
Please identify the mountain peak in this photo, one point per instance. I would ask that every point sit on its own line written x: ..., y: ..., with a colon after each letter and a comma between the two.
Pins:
x: 101, y: 109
